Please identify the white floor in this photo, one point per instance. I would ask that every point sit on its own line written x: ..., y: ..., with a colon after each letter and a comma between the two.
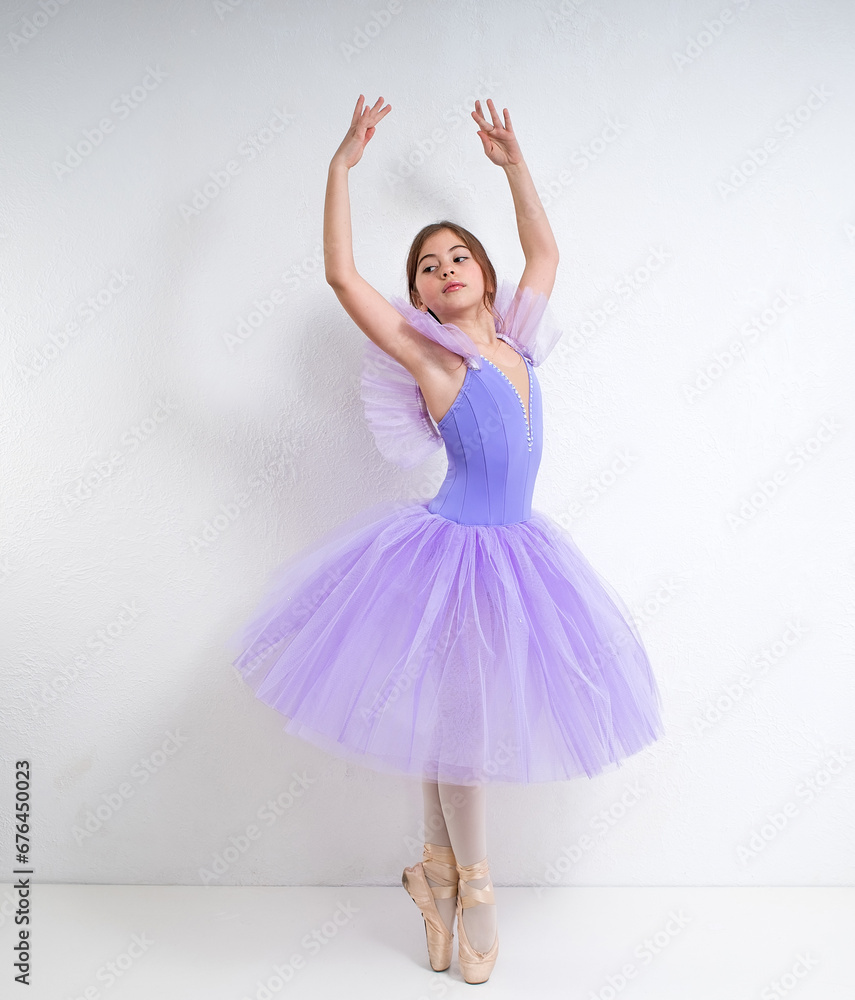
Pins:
x: 227, y: 943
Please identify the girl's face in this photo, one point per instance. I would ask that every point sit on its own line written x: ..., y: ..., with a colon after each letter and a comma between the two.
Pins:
x: 446, y: 263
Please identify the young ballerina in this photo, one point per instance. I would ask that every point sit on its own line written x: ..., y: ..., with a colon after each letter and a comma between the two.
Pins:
x: 462, y: 640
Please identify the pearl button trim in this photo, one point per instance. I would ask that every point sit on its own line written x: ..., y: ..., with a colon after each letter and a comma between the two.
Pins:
x: 519, y: 397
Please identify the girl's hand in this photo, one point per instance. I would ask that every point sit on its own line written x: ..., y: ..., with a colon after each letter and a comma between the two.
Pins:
x: 500, y: 143
x: 361, y: 130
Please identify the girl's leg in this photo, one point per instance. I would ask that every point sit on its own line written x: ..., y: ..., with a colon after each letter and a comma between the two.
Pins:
x: 436, y: 833
x: 464, y: 808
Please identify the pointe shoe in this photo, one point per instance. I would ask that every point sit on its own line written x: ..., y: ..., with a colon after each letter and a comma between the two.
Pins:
x: 476, y: 966
x: 439, y: 864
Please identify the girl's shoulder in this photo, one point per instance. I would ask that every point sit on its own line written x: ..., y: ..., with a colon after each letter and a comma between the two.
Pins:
x: 446, y: 334
x: 527, y: 319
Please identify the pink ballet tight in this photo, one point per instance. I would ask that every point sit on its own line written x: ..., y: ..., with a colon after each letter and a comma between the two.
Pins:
x: 456, y: 817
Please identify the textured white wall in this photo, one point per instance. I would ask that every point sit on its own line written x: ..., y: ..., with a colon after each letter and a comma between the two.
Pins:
x: 696, y: 162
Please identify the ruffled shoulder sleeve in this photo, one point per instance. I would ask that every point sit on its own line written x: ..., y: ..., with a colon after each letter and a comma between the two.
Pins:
x: 446, y: 334
x: 395, y: 410
x: 527, y: 321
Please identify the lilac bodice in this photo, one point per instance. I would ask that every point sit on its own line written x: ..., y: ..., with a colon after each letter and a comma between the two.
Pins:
x: 492, y: 457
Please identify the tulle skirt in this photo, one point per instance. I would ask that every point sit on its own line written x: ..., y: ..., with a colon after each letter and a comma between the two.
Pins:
x: 415, y: 645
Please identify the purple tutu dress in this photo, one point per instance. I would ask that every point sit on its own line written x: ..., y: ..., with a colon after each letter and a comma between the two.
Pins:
x: 464, y: 639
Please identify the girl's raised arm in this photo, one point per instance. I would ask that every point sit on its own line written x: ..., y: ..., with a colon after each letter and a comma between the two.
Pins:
x: 338, y: 239
x: 536, y: 237
x: 377, y: 318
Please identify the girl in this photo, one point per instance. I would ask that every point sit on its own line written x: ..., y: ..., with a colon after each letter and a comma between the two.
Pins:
x: 462, y: 640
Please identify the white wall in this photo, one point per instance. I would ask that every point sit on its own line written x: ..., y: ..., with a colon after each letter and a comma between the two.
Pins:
x: 122, y: 442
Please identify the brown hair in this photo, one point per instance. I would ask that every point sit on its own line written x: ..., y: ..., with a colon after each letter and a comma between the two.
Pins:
x: 472, y: 242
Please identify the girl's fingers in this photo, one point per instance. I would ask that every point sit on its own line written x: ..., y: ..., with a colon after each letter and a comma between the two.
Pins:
x: 496, y: 123
x: 367, y: 116
x: 376, y: 115
x: 495, y: 114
